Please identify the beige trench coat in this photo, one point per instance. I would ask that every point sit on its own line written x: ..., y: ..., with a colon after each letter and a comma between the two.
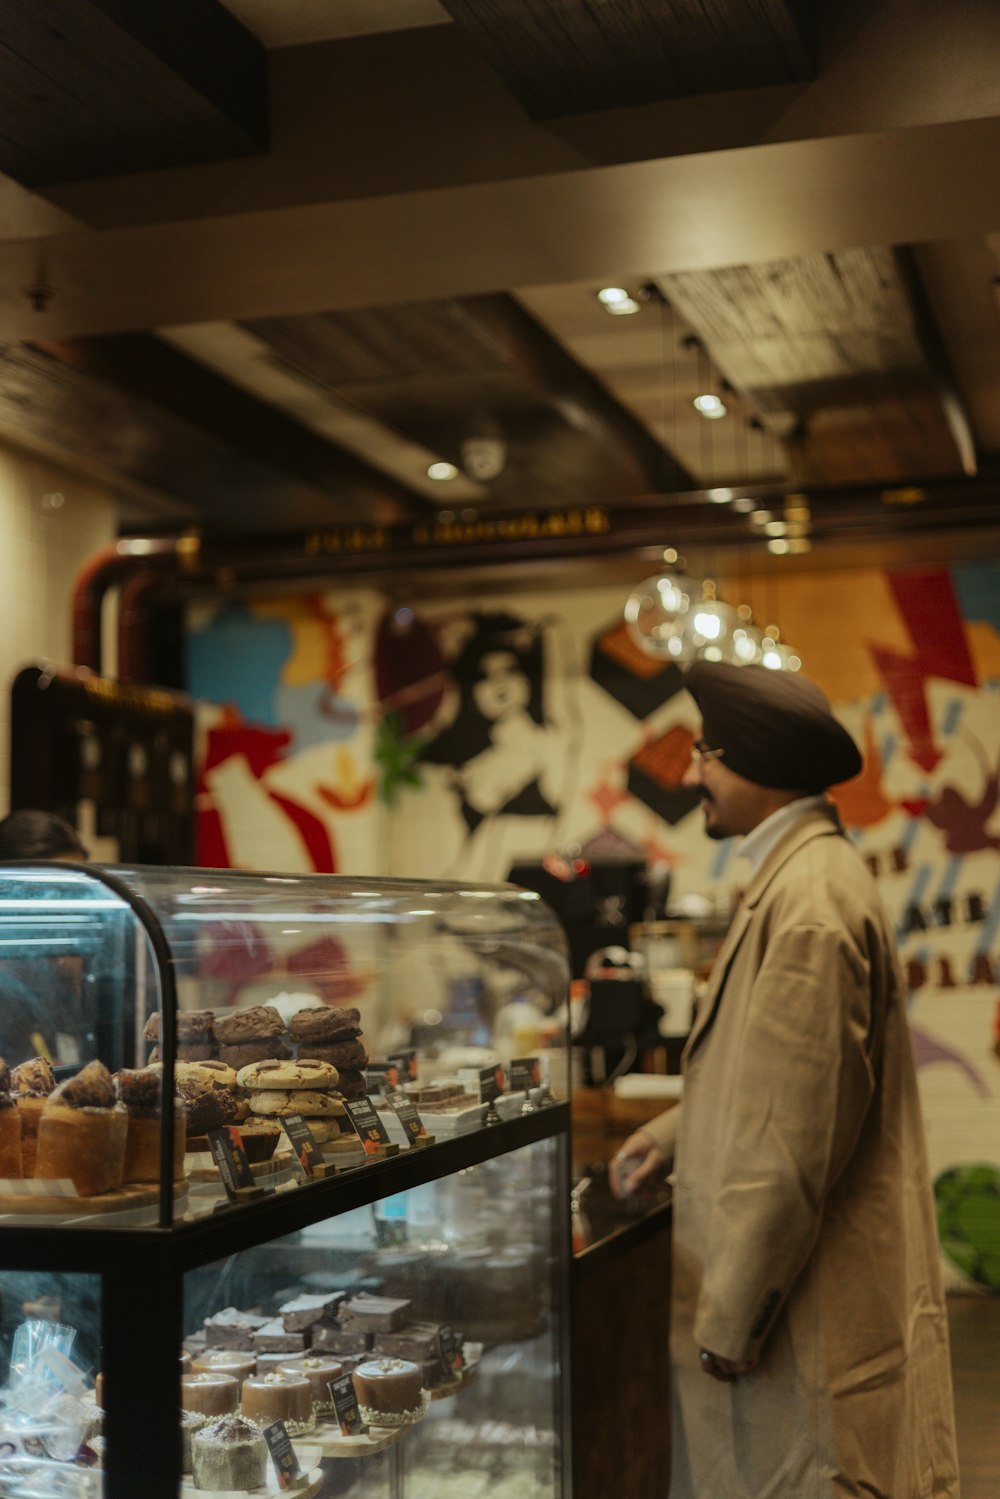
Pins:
x: 804, y: 1230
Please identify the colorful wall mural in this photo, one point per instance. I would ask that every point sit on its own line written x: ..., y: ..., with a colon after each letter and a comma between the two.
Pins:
x: 361, y: 735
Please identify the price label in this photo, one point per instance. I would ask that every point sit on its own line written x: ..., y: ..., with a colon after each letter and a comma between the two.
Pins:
x: 405, y: 1063
x: 369, y: 1128
x: 406, y: 1113
x: 486, y: 1083
x: 279, y: 1445
x: 381, y: 1077
x: 307, y: 1152
x: 525, y: 1074
x: 451, y: 1348
x: 228, y: 1154
x: 345, y: 1405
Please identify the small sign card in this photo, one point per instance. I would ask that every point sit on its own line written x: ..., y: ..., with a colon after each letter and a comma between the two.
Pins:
x: 228, y: 1154
x: 381, y: 1077
x: 406, y: 1113
x: 370, y: 1130
x: 405, y: 1063
x: 451, y: 1348
x: 307, y: 1152
x: 345, y: 1405
x: 525, y: 1074
x: 279, y: 1445
x: 486, y: 1083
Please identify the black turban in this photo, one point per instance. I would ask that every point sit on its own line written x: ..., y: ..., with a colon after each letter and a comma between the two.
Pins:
x: 776, y: 727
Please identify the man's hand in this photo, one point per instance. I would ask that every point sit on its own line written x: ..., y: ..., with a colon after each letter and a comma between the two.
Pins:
x: 638, y: 1165
x: 721, y: 1368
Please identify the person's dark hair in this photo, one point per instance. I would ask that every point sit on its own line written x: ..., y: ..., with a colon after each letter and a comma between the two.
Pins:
x: 39, y: 835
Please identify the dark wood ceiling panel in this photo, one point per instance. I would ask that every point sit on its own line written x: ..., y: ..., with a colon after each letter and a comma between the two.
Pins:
x: 440, y: 372
x: 560, y: 57
x: 830, y: 349
x: 93, y: 88
x: 134, y: 408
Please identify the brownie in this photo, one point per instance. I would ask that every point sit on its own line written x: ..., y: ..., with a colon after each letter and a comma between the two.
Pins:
x: 259, y: 1023
x: 207, y: 1111
x: 341, y: 1053
x: 310, y: 1311
x: 325, y: 1024
x: 338, y: 1340
x: 193, y: 1026
x: 273, y: 1338
x: 366, y: 1313
x: 418, y: 1341
x: 351, y: 1084
x: 255, y: 1051
x: 232, y: 1328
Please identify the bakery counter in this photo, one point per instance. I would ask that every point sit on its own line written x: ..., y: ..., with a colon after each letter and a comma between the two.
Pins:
x: 620, y: 1317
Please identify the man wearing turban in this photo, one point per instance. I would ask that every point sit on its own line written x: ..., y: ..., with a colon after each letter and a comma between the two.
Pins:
x: 809, y: 1342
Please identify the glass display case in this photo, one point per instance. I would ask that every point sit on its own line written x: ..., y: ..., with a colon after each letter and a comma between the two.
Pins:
x: 308, y: 1136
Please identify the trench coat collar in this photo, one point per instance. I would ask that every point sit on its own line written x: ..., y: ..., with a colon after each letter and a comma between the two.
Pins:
x: 820, y: 822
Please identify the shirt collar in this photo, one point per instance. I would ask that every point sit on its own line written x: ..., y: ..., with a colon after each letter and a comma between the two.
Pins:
x: 758, y: 844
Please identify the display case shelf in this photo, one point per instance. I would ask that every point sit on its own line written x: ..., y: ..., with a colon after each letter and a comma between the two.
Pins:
x: 416, y: 977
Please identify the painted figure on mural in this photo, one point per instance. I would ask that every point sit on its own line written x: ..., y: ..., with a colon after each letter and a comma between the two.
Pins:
x: 507, y: 744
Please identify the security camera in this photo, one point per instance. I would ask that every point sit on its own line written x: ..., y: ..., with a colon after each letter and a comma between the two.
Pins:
x: 484, y: 457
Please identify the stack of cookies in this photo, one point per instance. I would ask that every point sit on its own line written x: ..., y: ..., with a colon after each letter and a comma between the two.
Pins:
x: 254, y: 1035
x: 332, y: 1034
x: 275, y: 1088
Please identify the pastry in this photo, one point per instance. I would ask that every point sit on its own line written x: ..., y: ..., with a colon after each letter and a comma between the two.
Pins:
x: 340, y: 1341
x: 309, y: 1311
x: 302, y: 1101
x: 366, y: 1313
x: 11, y: 1160
x: 206, y: 1109
x: 185, y: 1363
x: 232, y: 1328
x: 139, y: 1091
x: 195, y: 1035
x: 341, y: 1053
x: 274, y: 1337
x: 260, y: 1138
x: 82, y: 1133
x: 210, y: 1394
x: 257, y: 1023
x: 232, y: 1361
x: 30, y: 1085
x: 228, y: 1454
x: 254, y: 1051
x: 352, y: 1083
x: 325, y: 1024
x: 319, y: 1372
x: 419, y: 1341
x: 191, y: 1421
x: 279, y: 1397
x: 388, y: 1387
x: 212, y: 1073
x: 33, y: 1076
x: 288, y: 1076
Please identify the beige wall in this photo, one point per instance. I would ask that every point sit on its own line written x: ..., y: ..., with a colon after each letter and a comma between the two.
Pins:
x: 42, y: 543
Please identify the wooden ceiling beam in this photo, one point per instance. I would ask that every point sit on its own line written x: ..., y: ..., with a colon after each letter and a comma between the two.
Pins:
x: 94, y: 88
x: 169, y: 424
x: 939, y: 363
x: 559, y: 57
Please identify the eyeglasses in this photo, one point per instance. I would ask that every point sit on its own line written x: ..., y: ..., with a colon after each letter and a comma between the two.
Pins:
x: 701, y: 754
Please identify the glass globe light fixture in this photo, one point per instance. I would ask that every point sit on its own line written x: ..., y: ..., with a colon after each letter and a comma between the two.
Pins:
x: 708, y: 628
x: 655, y: 610
x: 748, y: 641
x: 777, y: 656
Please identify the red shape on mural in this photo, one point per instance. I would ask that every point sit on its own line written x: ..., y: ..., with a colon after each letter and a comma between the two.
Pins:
x: 929, y: 608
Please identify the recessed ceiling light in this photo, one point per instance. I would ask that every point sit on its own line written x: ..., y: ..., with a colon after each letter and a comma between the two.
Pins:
x: 617, y: 301
x: 744, y: 504
x: 442, y: 471
x: 711, y: 406
x: 775, y: 528
x: 779, y: 548
x: 720, y: 496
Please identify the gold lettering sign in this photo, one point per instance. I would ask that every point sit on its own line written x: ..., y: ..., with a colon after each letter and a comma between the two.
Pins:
x: 528, y: 525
